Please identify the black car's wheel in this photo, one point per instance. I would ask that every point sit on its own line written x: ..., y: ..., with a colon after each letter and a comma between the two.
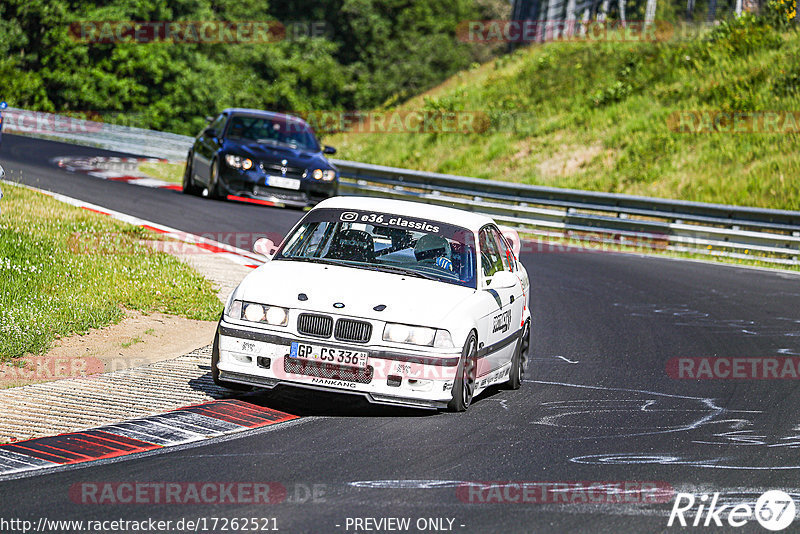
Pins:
x: 215, y: 370
x: 464, y: 383
x: 517, y: 372
x: 213, y: 181
x: 188, y: 182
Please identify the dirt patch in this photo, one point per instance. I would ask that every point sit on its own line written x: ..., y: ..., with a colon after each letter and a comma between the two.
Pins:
x: 137, y: 340
x: 569, y: 160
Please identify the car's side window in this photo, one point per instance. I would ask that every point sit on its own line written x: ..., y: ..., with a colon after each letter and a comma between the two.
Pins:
x: 491, y: 261
x: 505, y: 252
x: 217, y: 124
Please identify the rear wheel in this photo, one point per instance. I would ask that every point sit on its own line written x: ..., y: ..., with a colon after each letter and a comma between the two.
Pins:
x: 464, y: 384
x: 188, y: 182
x: 215, y: 370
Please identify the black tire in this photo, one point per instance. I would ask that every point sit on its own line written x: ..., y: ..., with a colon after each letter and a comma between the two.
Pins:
x: 215, y: 370
x: 189, y: 188
x: 464, y: 383
x: 517, y: 372
x: 213, y: 181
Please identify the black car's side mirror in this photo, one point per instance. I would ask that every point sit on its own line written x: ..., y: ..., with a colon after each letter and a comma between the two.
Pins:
x: 328, y: 150
x: 210, y: 132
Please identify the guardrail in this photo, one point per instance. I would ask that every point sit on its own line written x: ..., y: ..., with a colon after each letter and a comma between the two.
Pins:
x: 586, y: 216
x: 594, y: 217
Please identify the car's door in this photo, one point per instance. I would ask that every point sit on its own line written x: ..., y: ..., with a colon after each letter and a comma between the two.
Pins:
x: 205, y: 146
x: 502, y: 305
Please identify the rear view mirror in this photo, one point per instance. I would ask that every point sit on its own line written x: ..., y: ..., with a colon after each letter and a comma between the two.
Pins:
x: 265, y: 247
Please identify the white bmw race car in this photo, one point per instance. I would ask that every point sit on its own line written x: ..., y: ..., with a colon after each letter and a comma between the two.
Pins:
x: 403, y: 303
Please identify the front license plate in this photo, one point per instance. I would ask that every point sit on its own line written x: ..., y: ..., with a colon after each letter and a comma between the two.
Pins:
x: 283, y: 182
x: 313, y: 353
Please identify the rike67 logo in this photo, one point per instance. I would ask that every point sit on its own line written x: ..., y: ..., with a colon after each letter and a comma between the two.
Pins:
x: 774, y: 510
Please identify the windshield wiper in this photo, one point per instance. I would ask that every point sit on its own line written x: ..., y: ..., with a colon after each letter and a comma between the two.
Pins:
x: 311, y: 259
x: 276, y: 142
x: 404, y: 270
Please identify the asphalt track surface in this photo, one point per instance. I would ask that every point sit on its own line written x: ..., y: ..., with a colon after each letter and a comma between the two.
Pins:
x: 597, y: 403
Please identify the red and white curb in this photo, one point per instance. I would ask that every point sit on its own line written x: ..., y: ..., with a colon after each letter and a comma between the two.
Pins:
x: 115, y: 169
x: 177, y: 427
x: 126, y: 170
x: 234, y: 254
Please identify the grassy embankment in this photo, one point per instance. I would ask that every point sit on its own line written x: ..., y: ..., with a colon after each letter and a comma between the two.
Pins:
x: 596, y: 116
x: 64, y: 270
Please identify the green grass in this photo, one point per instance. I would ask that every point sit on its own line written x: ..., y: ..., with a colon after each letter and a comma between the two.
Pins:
x: 169, y: 172
x: 594, y: 116
x: 64, y: 270
x: 132, y: 342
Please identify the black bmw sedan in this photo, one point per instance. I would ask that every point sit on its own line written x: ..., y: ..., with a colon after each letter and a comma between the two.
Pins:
x: 262, y: 157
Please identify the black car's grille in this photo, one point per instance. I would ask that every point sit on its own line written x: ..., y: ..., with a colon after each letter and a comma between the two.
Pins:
x: 276, y: 169
x: 315, y: 325
x: 362, y: 375
x: 353, y: 331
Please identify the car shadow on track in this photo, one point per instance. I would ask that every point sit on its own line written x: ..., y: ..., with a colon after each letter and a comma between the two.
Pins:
x: 304, y: 402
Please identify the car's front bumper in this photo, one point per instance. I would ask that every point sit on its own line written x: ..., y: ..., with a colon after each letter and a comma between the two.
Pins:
x: 252, y: 184
x: 258, y: 357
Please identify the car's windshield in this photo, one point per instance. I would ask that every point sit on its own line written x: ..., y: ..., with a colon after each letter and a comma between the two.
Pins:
x: 385, y: 242
x: 276, y: 130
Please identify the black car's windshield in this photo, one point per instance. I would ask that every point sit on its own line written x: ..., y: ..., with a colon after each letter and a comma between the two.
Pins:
x: 279, y: 131
x: 385, y: 242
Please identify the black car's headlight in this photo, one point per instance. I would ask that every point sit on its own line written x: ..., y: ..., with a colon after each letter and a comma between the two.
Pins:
x: 239, y: 162
x: 326, y: 175
x: 259, y: 313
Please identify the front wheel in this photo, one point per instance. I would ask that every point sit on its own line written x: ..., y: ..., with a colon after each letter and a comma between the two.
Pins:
x: 464, y: 383
x: 517, y: 372
x: 518, y: 362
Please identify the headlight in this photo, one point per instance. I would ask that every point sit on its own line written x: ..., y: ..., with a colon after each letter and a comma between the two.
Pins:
x: 259, y: 313
x: 329, y: 175
x: 417, y: 335
x: 238, y: 162
x: 317, y: 174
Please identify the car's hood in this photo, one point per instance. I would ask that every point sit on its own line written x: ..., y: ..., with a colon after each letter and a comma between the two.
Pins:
x: 407, y: 299
x: 294, y: 157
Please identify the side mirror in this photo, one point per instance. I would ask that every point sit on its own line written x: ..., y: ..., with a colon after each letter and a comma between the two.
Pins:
x: 503, y: 280
x: 328, y: 150
x: 210, y: 132
x: 265, y: 247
